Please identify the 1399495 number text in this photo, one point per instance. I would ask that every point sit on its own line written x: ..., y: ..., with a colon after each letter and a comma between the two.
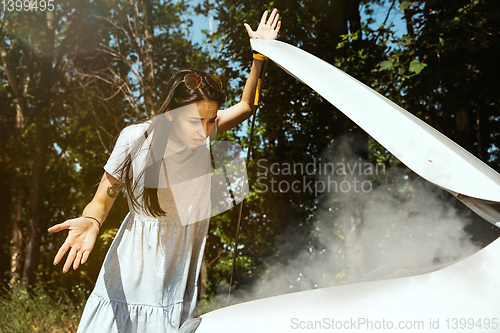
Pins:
x: 27, y: 5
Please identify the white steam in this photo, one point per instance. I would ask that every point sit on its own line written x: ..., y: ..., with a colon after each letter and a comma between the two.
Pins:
x: 406, y: 229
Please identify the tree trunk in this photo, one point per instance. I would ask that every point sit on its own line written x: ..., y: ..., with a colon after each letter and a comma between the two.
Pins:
x: 346, y: 19
x: 462, y: 134
x: 408, y: 19
x: 350, y: 211
x: 355, y: 261
x: 338, y: 24
x: 33, y: 237
x: 203, y: 280
x: 150, y: 94
x: 36, y: 205
x: 354, y: 19
x: 477, y: 128
x: 16, y: 242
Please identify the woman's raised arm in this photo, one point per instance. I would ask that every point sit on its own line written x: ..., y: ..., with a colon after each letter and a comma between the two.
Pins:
x: 236, y: 114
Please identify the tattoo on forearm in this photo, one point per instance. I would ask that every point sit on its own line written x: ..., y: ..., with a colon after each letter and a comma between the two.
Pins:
x: 114, y: 189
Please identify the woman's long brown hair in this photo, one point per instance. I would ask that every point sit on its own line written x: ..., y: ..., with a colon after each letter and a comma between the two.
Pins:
x: 175, y: 94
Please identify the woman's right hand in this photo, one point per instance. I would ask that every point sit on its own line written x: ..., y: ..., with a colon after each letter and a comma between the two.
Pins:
x: 81, y: 239
x: 266, y: 30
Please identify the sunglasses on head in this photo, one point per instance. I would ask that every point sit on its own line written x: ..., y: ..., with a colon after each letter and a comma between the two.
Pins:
x: 193, y: 81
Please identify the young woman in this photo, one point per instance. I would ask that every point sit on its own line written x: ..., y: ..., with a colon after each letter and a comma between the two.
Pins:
x: 148, y: 282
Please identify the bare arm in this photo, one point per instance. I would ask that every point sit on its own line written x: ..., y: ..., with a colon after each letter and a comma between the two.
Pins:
x: 236, y: 114
x: 83, y: 231
x: 104, y: 198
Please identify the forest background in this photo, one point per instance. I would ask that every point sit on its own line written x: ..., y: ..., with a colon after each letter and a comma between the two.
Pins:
x: 72, y: 78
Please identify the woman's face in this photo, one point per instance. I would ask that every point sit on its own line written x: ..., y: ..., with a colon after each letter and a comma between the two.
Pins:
x: 193, y: 123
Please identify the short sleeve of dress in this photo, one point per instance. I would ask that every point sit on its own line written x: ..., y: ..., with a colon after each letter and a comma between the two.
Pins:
x: 119, y: 153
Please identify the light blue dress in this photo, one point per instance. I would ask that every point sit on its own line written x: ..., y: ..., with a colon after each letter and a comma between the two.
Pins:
x: 150, y: 276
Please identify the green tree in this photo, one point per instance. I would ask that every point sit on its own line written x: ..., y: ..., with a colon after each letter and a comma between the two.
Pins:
x: 72, y: 79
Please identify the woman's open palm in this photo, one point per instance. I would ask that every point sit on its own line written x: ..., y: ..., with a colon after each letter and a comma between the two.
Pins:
x: 266, y: 30
x: 81, y: 239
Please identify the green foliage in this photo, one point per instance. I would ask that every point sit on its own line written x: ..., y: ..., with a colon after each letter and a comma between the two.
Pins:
x: 108, y: 235
x: 44, y: 308
x: 404, y: 5
x: 451, y: 55
x: 416, y: 66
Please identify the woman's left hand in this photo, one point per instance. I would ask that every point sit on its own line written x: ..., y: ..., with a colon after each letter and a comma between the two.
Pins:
x: 266, y: 30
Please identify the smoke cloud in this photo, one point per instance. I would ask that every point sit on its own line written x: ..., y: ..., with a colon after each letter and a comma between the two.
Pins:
x: 408, y: 226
